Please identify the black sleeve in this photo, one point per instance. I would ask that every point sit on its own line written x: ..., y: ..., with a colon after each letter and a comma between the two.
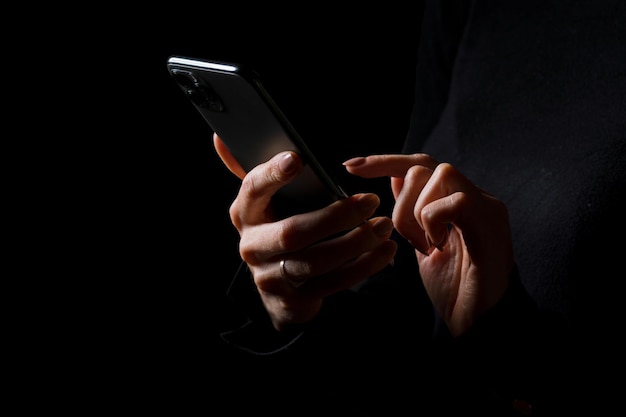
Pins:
x: 392, y: 302
x: 256, y: 335
x: 516, y: 359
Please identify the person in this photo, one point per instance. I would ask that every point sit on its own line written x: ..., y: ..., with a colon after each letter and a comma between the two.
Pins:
x: 491, y: 287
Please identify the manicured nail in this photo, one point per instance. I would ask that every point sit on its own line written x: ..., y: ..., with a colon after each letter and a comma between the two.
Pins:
x: 287, y: 164
x: 359, y: 160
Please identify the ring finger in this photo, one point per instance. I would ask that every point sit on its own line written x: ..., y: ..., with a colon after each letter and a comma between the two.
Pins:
x: 331, y: 254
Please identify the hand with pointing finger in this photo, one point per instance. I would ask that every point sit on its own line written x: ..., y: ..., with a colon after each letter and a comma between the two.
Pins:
x: 460, y: 233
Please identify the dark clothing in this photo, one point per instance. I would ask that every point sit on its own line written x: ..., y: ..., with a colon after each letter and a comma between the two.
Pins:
x: 528, y: 100
x: 534, y: 112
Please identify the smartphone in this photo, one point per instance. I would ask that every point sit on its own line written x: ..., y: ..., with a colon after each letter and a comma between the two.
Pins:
x: 236, y: 105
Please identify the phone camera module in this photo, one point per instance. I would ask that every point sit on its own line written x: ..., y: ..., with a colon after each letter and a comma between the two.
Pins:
x: 185, y: 78
x: 201, y: 95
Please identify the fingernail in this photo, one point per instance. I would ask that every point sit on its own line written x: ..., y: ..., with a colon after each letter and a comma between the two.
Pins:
x: 359, y: 160
x: 428, y: 241
x: 382, y: 227
x: 287, y: 164
x: 367, y: 202
x: 438, y: 246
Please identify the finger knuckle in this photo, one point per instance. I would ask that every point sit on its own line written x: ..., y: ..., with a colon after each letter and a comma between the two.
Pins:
x: 250, y: 186
x: 416, y: 171
x: 445, y: 170
x: 248, y: 253
x: 235, y: 215
x: 287, y: 236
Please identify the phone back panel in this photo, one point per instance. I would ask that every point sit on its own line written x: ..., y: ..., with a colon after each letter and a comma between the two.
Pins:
x: 237, y: 107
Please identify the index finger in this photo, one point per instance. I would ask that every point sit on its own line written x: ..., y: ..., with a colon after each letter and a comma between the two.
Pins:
x: 388, y: 165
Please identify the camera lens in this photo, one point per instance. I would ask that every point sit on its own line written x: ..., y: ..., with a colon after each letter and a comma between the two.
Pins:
x: 200, y: 95
x: 184, y: 78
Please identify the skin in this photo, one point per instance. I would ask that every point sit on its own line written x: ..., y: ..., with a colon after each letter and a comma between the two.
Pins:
x: 460, y: 233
